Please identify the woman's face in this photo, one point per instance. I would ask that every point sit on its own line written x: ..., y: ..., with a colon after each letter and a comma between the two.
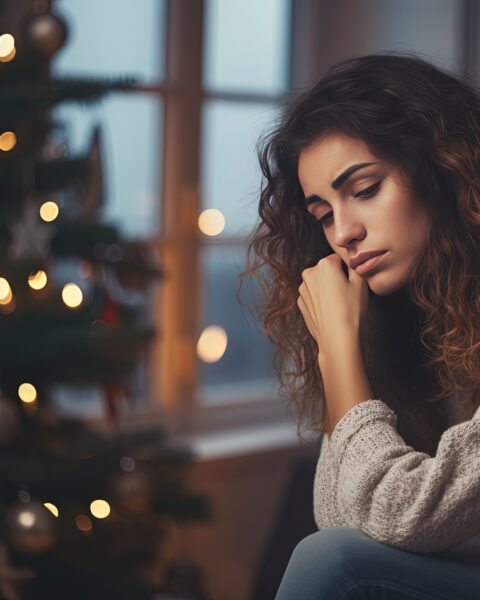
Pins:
x: 385, y: 216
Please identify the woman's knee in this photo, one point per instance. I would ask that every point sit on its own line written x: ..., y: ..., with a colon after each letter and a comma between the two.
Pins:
x: 326, y: 549
x: 340, y: 541
x: 320, y: 564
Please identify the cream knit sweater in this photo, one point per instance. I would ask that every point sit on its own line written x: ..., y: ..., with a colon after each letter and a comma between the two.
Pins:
x: 367, y: 477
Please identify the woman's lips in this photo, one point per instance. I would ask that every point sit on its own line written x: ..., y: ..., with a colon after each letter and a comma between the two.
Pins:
x: 369, y: 264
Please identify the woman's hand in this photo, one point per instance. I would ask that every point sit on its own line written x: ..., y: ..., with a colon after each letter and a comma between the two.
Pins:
x: 331, y: 303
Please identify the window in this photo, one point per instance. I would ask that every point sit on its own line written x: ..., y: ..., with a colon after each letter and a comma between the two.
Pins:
x: 211, y: 74
x: 107, y: 42
x: 243, y: 61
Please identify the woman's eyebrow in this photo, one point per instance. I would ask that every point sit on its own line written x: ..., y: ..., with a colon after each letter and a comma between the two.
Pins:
x: 338, y: 181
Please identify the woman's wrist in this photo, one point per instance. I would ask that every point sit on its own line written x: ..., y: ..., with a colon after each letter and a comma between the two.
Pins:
x: 346, y: 343
x: 344, y: 377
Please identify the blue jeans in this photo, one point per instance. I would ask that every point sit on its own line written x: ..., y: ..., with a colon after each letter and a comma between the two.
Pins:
x: 343, y: 563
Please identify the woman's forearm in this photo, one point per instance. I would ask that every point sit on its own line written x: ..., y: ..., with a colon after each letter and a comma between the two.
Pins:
x: 344, y: 378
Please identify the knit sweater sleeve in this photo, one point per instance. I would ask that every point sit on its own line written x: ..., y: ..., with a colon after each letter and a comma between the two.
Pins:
x: 397, y: 495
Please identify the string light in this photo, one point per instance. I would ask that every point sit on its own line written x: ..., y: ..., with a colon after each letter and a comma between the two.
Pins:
x: 27, y: 393
x: 52, y: 508
x: 8, y: 140
x: 38, y: 280
x: 100, y: 509
x: 212, y: 344
x: 72, y: 295
x: 7, y: 47
x: 211, y: 222
x: 26, y: 518
x: 5, y: 291
x: 49, y: 211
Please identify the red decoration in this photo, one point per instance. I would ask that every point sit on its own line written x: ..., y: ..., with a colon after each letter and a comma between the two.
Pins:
x: 113, y: 394
x: 110, y: 313
x: 112, y: 391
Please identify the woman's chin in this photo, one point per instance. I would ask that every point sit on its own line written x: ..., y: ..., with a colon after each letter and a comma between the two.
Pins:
x: 384, y: 288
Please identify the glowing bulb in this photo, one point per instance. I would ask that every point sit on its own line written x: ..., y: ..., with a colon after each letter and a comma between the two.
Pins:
x: 8, y: 141
x: 72, y: 295
x: 212, y: 344
x: 26, y: 518
x: 211, y: 221
x: 38, y: 280
x: 49, y: 211
x: 100, y: 509
x: 52, y: 508
x: 7, y: 45
x: 5, y: 291
x: 27, y: 393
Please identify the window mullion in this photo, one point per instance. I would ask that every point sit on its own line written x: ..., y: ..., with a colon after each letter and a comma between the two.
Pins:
x: 174, y: 374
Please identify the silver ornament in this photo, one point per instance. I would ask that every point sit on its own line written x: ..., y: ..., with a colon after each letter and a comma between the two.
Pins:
x: 30, y: 527
x: 46, y: 33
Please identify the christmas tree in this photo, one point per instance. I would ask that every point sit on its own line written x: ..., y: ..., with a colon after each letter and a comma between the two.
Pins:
x: 84, y: 510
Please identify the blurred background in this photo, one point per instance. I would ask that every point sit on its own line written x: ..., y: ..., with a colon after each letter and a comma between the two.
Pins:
x: 144, y: 449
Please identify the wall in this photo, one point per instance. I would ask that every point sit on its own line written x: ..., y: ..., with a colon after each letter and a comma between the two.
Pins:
x: 246, y: 495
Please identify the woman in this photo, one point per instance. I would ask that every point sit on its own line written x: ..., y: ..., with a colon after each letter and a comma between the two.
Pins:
x: 381, y: 156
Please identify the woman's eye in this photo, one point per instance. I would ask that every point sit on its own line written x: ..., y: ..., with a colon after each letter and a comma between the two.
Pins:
x: 367, y: 192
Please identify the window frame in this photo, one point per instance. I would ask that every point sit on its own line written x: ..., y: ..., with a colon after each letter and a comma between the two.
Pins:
x: 176, y: 298
x: 177, y: 310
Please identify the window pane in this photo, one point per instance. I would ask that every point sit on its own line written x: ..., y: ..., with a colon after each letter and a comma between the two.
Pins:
x: 106, y: 38
x: 131, y: 128
x: 231, y: 175
x: 245, y: 369
x: 247, y: 45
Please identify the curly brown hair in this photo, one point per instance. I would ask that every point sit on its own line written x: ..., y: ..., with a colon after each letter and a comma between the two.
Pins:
x: 422, y: 343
